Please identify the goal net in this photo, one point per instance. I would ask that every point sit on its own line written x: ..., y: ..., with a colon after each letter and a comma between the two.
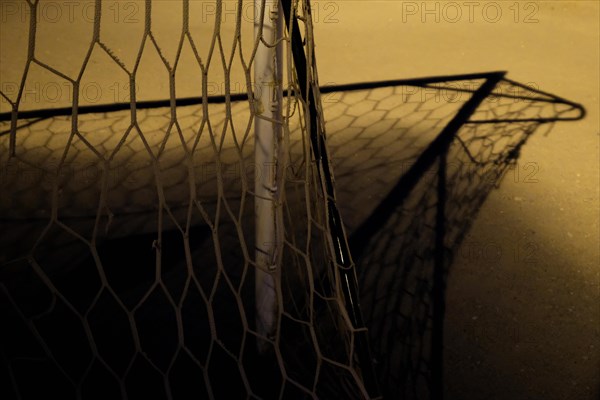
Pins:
x: 169, y: 225
x: 135, y: 262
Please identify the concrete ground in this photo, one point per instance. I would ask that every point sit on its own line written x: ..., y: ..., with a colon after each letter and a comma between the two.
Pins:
x: 522, y: 312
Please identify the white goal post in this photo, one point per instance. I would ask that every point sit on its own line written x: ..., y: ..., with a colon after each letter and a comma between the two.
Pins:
x: 268, y: 156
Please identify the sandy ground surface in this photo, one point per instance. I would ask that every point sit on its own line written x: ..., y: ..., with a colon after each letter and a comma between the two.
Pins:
x: 522, y: 308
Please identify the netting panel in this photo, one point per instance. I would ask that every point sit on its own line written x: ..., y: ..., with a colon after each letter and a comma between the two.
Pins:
x: 128, y: 261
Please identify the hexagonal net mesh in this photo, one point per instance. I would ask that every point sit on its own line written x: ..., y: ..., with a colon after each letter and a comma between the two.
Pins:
x: 127, y: 262
x: 128, y: 257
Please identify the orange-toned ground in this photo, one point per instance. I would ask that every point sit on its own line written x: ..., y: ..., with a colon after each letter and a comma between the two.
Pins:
x: 523, y: 320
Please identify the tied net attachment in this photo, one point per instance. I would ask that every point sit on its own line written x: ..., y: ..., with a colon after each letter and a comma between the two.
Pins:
x: 129, y: 253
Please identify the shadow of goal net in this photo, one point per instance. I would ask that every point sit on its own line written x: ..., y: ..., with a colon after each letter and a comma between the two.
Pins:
x: 410, y: 198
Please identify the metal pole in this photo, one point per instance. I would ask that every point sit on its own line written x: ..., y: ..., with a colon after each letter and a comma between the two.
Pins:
x: 267, y: 154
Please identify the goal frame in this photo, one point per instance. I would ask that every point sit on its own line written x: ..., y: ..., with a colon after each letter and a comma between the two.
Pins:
x: 268, y: 155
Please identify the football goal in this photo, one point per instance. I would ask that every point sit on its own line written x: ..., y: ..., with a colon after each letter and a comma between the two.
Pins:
x: 170, y: 225
x: 179, y: 248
